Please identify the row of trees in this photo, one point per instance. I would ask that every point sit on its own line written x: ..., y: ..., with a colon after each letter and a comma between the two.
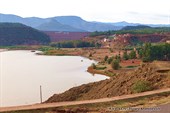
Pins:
x: 114, y: 61
x: 150, y: 52
x: 75, y: 44
x: 133, y: 30
x: 147, y: 53
x: 131, y: 55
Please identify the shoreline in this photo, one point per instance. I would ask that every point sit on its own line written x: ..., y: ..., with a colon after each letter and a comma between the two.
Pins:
x: 2, y: 50
x: 78, y: 52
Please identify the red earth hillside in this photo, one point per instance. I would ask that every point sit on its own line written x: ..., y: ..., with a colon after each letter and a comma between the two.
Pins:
x: 56, y: 36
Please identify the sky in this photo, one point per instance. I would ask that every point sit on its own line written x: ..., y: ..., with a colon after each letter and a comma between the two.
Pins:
x: 135, y: 11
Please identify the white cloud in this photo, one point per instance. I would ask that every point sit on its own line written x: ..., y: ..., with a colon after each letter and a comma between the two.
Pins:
x: 92, y: 10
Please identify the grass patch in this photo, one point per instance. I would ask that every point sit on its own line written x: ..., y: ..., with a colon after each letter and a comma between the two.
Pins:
x: 131, y: 66
x: 141, y: 86
x: 100, y: 67
x: 110, y: 73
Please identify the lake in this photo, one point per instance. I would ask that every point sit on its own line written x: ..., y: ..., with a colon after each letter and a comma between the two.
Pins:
x: 22, y: 73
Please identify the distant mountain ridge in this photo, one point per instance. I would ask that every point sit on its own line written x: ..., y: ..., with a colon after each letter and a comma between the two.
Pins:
x: 54, y: 25
x: 67, y: 23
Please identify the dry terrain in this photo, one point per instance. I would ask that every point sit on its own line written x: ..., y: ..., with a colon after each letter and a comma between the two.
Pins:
x: 157, y: 76
x: 104, y: 103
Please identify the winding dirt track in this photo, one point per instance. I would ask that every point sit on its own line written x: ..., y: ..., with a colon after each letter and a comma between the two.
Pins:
x: 58, y: 104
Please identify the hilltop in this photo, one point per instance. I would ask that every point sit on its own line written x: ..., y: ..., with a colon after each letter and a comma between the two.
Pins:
x: 68, y: 23
x: 54, y: 25
x: 19, y: 34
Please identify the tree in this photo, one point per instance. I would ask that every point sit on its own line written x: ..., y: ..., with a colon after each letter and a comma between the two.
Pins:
x: 115, y: 64
x: 94, y: 66
x: 109, y: 61
x: 147, y: 52
x: 140, y: 53
x: 97, y: 45
x: 125, y: 55
x: 90, y: 55
x: 105, y: 58
x: 155, y: 52
x: 132, y: 55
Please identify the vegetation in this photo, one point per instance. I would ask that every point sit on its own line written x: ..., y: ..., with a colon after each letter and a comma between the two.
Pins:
x: 132, y: 55
x: 100, y: 67
x: 111, y: 50
x: 105, y: 58
x: 19, y: 47
x: 117, y: 57
x: 135, y: 27
x: 115, y: 64
x: 12, y: 34
x: 134, y: 30
x: 131, y: 66
x: 109, y: 61
x: 74, y: 44
x: 151, y: 52
x: 46, y: 48
x: 141, y: 86
x: 94, y: 66
x: 125, y: 55
x: 90, y: 55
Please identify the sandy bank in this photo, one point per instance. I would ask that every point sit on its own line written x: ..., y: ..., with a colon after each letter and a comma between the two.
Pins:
x: 1, y: 50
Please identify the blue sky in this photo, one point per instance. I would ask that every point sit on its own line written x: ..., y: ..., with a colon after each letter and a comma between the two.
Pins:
x: 136, y: 11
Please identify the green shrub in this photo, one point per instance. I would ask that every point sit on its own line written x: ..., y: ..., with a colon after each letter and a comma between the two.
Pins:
x: 132, y: 55
x: 111, y: 50
x: 101, y: 67
x: 94, y: 66
x: 90, y: 55
x: 109, y: 61
x: 141, y: 86
x: 131, y: 66
x: 125, y: 56
x: 105, y: 58
x: 115, y: 64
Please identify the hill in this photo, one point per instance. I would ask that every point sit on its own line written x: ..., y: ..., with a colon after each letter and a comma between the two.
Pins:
x: 63, y: 36
x: 19, y: 34
x: 54, y: 25
x: 78, y: 22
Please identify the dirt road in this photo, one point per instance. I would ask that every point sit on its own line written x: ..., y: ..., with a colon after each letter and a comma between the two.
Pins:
x: 58, y: 104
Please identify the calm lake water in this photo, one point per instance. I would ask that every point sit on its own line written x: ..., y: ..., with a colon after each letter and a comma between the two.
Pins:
x: 22, y: 73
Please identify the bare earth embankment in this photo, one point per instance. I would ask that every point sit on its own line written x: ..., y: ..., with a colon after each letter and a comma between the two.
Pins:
x: 157, y: 76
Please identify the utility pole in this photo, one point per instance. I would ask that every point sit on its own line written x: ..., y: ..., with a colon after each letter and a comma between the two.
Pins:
x: 40, y: 94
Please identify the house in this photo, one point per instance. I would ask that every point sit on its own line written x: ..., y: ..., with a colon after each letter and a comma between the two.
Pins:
x: 106, y: 40
x: 168, y: 41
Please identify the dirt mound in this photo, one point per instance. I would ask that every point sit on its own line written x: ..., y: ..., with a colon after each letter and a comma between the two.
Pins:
x: 117, y: 85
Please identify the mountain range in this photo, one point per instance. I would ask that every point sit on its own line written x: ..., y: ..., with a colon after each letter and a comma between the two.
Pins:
x: 67, y: 23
